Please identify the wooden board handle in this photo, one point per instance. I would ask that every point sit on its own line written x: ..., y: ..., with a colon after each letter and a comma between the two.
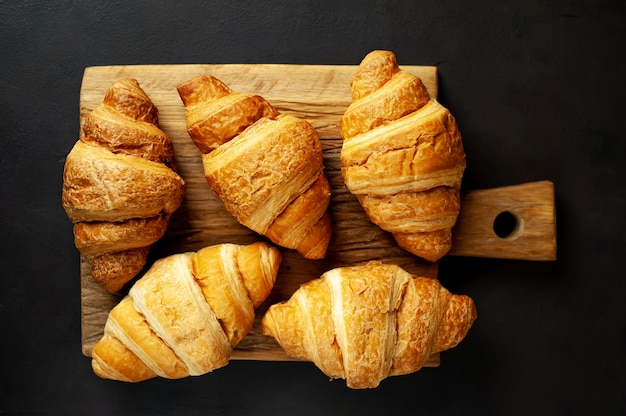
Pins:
x: 512, y: 222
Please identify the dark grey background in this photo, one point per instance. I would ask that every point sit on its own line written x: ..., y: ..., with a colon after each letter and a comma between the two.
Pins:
x: 538, y: 90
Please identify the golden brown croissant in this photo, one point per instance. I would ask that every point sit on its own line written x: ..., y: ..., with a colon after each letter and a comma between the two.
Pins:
x: 402, y: 156
x: 185, y: 315
x: 120, y: 186
x: 366, y: 323
x: 266, y: 167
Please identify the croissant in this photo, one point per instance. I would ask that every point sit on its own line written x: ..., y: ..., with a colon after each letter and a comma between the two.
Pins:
x: 366, y: 323
x: 120, y: 185
x: 187, y: 312
x: 266, y: 167
x: 402, y: 156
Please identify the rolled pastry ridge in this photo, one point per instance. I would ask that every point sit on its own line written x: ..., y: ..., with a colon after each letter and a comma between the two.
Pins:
x: 369, y: 322
x: 185, y: 315
x: 266, y: 167
x: 120, y: 185
x: 402, y: 156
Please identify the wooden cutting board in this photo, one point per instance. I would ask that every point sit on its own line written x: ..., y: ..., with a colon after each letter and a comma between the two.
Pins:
x: 319, y: 94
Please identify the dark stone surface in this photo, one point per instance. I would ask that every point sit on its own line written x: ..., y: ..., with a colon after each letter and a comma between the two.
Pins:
x: 537, y: 88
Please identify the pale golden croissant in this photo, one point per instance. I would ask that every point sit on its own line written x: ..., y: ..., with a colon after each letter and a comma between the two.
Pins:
x: 366, y: 323
x: 402, y: 156
x: 266, y: 167
x: 120, y: 186
x: 185, y: 315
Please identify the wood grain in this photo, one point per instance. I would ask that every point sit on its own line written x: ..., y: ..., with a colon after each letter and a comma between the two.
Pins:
x: 532, y: 233
x: 319, y: 94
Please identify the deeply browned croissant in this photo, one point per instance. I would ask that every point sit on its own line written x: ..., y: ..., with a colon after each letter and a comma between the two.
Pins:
x: 185, y: 315
x: 366, y: 323
x: 266, y: 167
x: 402, y: 156
x: 120, y: 186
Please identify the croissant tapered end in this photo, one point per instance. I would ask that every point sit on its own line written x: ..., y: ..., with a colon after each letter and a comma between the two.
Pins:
x: 400, y: 145
x: 305, y: 224
x: 120, y: 185
x: 111, y: 360
x: 113, y: 270
x: 459, y: 317
x: 303, y: 327
x: 376, y: 68
x: 215, y: 114
x: 127, y: 98
x: 126, y: 122
x: 430, y: 246
x: 186, y: 314
x: 366, y: 323
x: 202, y: 89
x: 315, y: 244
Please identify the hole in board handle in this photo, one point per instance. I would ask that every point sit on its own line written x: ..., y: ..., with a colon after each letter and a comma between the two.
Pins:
x: 507, y: 225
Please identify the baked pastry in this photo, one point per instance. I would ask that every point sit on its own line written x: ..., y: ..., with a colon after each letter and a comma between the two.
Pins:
x: 120, y: 185
x: 402, y: 156
x: 266, y: 167
x: 366, y: 323
x: 187, y: 312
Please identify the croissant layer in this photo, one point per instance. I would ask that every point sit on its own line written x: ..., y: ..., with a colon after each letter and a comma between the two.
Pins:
x: 266, y: 167
x: 103, y: 186
x: 402, y: 156
x: 120, y: 186
x: 187, y: 313
x: 366, y: 323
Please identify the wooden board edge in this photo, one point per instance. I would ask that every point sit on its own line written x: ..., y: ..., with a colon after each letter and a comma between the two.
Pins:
x: 86, y: 317
x: 427, y: 73
x: 532, y: 212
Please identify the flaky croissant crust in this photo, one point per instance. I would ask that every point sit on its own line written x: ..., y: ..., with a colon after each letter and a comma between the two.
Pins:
x: 402, y: 156
x: 266, y: 167
x: 120, y: 186
x: 187, y: 313
x: 366, y: 323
